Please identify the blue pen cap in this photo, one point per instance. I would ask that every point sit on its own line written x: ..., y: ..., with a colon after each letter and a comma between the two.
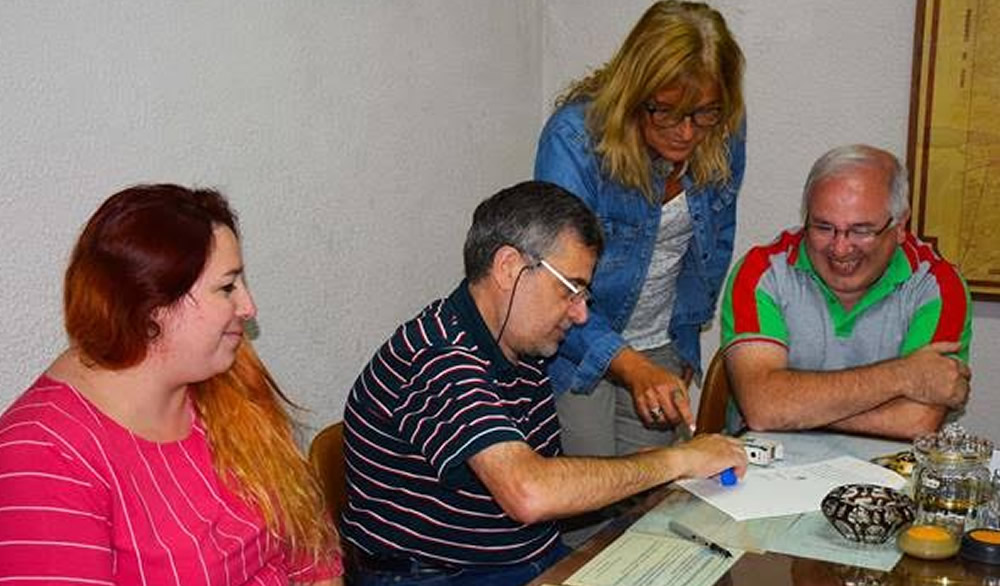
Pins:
x: 728, y: 477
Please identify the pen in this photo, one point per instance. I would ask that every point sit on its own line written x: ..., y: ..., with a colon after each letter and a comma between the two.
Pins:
x: 683, y: 429
x: 689, y: 534
x: 684, y: 432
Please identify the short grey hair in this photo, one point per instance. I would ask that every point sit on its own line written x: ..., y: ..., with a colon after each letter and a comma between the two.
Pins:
x: 529, y: 217
x: 843, y: 158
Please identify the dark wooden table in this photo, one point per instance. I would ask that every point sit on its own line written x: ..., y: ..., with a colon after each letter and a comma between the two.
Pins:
x: 774, y: 569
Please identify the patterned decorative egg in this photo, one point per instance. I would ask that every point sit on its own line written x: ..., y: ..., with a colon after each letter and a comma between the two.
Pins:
x: 866, y: 512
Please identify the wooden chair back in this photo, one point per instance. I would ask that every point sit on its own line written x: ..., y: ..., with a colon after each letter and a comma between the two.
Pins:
x: 715, y: 393
x: 326, y: 453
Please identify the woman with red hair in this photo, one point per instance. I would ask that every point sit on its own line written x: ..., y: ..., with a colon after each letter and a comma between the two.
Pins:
x: 156, y: 449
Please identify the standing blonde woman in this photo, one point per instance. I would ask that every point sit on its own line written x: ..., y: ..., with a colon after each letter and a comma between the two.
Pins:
x: 653, y: 142
x: 155, y: 449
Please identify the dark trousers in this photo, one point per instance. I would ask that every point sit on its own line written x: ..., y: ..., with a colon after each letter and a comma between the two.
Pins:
x: 363, y: 570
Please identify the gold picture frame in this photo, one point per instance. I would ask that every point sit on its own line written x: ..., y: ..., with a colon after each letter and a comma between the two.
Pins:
x: 954, y: 137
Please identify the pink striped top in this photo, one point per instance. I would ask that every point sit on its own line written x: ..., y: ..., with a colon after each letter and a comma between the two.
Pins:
x: 85, y: 501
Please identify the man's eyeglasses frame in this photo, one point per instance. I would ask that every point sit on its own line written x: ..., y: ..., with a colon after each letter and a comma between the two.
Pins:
x: 857, y: 235
x: 577, y: 293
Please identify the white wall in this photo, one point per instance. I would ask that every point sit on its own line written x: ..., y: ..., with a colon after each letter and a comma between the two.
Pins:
x: 356, y: 137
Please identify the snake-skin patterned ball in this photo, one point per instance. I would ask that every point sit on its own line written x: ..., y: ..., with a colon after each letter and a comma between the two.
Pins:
x: 867, y: 513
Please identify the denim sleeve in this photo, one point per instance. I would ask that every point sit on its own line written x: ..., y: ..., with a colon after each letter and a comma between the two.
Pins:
x: 565, y: 157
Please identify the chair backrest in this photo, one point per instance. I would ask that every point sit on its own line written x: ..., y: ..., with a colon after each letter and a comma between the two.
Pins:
x: 715, y: 394
x: 326, y: 453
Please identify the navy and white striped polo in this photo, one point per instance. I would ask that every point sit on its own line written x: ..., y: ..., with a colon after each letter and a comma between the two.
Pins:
x: 436, y: 393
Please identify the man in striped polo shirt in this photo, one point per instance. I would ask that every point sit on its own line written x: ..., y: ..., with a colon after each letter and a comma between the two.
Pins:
x: 451, y: 435
x: 851, y: 322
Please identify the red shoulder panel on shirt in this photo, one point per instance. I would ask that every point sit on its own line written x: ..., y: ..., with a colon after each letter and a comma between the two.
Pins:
x: 755, y: 264
x: 954, y: 304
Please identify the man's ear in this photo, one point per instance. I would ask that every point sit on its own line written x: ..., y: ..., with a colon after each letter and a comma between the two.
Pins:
x: 507, y: 263
x: 901, y: 228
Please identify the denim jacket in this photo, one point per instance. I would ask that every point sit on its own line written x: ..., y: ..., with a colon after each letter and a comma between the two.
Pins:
x: 630, y: 222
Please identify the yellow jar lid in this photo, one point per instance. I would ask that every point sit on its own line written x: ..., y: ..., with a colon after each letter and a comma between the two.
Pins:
x: 982, y: 545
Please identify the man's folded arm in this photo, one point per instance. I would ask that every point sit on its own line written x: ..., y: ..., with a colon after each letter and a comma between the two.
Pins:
x: 899, y: 418
x: 899, y: 397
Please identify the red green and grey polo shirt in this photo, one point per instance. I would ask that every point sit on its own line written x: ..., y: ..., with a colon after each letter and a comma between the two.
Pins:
x: 775, y: 295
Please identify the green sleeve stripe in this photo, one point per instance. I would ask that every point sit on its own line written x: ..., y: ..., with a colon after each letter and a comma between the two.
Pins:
x: 772, y: 323
x: 966, y: 338
x: 923, y: 324
x: 726, y: 320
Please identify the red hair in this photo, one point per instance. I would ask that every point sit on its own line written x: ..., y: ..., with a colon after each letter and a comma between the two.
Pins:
x: 142, y: 249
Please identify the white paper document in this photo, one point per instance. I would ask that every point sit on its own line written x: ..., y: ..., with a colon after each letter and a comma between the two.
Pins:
x: 640, y: 559
x: 788, y: 490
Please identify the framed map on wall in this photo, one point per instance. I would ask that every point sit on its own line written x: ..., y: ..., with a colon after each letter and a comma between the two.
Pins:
x: 954, y: 143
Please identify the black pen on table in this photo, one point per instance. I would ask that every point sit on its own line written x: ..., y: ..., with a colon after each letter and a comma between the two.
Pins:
x: 690, y: 535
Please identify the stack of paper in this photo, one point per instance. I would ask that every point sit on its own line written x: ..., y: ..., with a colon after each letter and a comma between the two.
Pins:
x: 773, y: 492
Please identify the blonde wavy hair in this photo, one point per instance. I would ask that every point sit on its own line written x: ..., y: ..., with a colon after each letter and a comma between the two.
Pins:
x: 673, y: 43
x: 254, y: 450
